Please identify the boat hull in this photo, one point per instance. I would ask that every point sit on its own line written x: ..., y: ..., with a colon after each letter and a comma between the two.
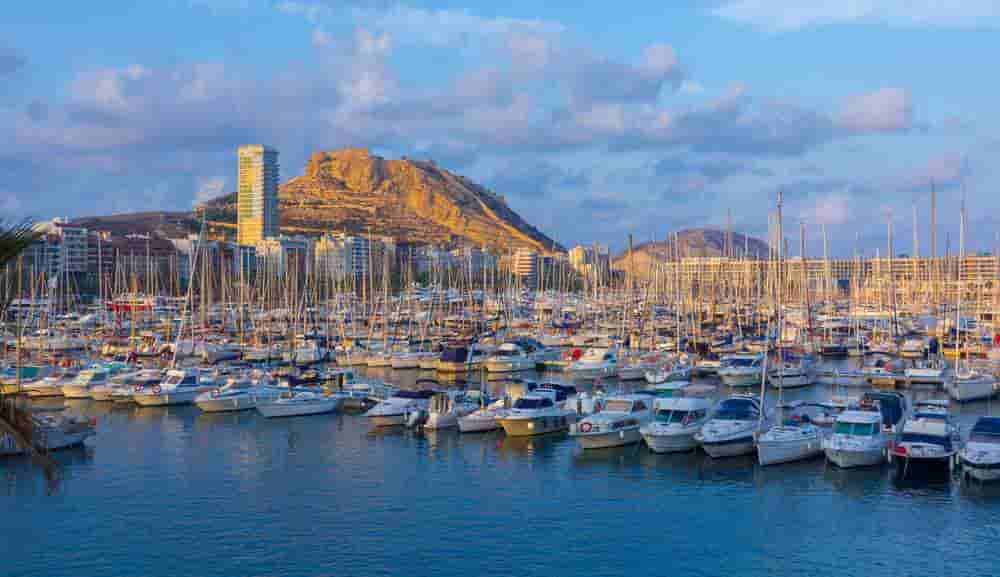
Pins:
x: 226, y: 404
x: 729, y: 448
x: 527, y: 427
x: 282, y: 410
x: 778, y: 452
x: 609, y: 439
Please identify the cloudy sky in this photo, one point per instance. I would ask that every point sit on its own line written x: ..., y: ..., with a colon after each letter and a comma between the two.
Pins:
x: 595, y: 119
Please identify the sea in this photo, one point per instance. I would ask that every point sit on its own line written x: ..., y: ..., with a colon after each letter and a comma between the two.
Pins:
x: 173, y: 491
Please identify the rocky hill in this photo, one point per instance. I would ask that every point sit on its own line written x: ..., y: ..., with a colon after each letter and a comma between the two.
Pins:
x: 700, y: 242
x: 354, y: 191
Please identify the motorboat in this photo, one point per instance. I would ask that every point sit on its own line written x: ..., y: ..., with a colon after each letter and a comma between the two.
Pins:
x: 546, y: 409
x: 928, y: 442
x: 616, y: 424
x: 484, y: 418
x: 296, y: 403
x: 796, y: 438
x: 741, y: 370
x: 929, y: 371
x: 445, y: 409
x: 124, y: 383
x: 678, y: 370
x: 969, y: 385
x: 634, y: 368
x: 16, y: 380
x: 51, y: 431
x: 733, y: 427
x: 51, y: 385
x: 79, y: 388
x: 980, y: 457
x: 882, y: 369
x: 460, y: 359
x: 793, y: 372
x: 595, y: 363
x: 913, y: 348
x: 179, y: 387
x: 675, y: 423
x: 857, y: 440
x: 510, y: 357
x: 238, y: 393
x: 394, y: 410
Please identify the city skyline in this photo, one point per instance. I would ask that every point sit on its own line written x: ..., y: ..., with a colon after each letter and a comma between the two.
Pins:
x: 643, y: 122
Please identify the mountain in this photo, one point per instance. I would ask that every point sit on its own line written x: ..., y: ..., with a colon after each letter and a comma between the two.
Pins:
x: 698, y: 242
x: 354, y: 191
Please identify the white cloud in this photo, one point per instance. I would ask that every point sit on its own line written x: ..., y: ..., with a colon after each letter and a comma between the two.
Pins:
x: 209, y: 188
x: 885, y: 110
x: 785, y: 15
x: 833, y: 209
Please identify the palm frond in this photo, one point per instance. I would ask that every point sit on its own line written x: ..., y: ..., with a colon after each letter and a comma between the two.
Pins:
x: 14, y: 238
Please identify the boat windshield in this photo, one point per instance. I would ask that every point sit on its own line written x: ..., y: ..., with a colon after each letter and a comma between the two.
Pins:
x: 736, y: 410
x: 926, y: 439
x: 676, y: 416
x: 532, y: 403
x: 741, y: 362
x: 861, y: 429
x: 508, y: 352
x: 617, y: 406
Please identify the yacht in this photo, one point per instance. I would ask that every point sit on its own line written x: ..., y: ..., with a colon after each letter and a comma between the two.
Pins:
x: 969, y: 385
x: 733, y: 427
x: 792, y: 372
x: 616, y: 424
x: 930, y: 371
x: 796, y: 438
x: 460, y: 359
x: 676, y: 421
x: 927, y: 443
x: 679, y: 370
x: 445, y: 409
x: 980, y: 457
x: 595, y: 363
x: 296, y: 403
x: 179, y: 387
x: 125, y: 383
x: 51, y: 431
x: 741, y: 370
x: 510, y: 357
x: 137, y: 383
x: 79, y: 388
x: 484, y: 418
x: 913, y: 348
x: 857, y: 440
x: 239, y: 393
x: 51, y: 385
x: 543, y: 410
x: 394, y: 410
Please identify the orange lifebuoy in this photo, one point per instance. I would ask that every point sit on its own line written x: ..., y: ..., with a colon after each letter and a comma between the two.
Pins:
x: 585, y: 427
x: 156, y: 389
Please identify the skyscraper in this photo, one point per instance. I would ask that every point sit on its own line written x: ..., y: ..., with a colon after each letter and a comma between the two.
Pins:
x: 257, y: 202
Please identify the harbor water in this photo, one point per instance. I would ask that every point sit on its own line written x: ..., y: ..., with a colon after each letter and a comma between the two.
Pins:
x: 173, y: 491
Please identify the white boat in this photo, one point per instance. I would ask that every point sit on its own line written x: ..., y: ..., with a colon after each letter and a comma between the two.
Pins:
x: 460, y: 359
x: 546, y: 409
x: 510, y: 357
x: 79, y: 388
x: 297, y: 403
x: 213, y: 353
x: 137, y: 383
x: 794, y: 439
x: 179, y: 387
x: 969, y: 385
x: 792, y: 373
x: 616, y: 424
x: 125, y: 383
x: 240, y: 393
x: 483, y: 419
x: 927, y: 443
x: 741, y: 370
x: 393, y: 411
x: 405, y: 360
x: 913, y: 348
x: 669, y: 372
x: 733, y: 427
x: 980, y: 457
x: 595, y: 363
x: 51, y: 385
x: 675, y: 423
x: 445, y: 409
x: 51, y: 431
x: 929, y: 371
x: 857, y: 440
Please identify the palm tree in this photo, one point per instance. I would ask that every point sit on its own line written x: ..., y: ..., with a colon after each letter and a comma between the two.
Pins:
x: 14, y: 238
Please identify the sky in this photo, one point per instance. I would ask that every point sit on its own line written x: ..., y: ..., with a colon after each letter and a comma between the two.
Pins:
x: 594, y: 119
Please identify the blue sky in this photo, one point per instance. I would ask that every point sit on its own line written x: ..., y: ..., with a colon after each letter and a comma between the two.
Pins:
x: 595, y: 119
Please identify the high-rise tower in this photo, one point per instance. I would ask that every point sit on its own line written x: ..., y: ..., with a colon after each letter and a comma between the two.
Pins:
x: 257, y: 201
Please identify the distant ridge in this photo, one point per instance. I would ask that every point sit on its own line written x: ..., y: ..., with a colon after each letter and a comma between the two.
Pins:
x: 697, y: 242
